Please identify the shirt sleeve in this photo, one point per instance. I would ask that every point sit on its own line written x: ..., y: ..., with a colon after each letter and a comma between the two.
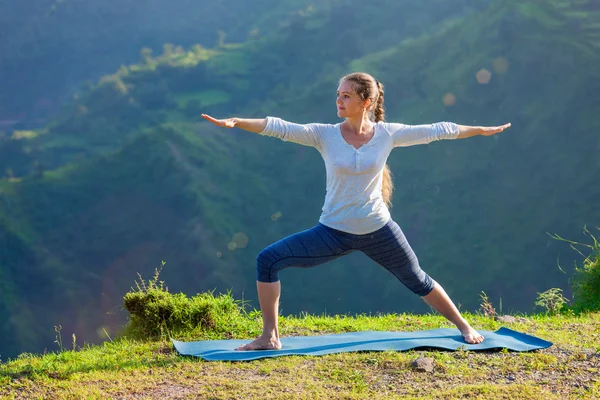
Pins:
x: 307, y: 134
x: 410, y: 135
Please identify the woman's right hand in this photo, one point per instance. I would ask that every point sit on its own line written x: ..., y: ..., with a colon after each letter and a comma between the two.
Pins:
x: 227, y: 123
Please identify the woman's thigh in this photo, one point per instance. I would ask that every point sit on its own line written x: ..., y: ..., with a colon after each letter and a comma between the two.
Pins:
x: 389, y: 247
x: 308, y: 248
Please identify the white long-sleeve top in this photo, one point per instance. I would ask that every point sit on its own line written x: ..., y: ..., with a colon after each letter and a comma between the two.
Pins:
x: 354, y: 201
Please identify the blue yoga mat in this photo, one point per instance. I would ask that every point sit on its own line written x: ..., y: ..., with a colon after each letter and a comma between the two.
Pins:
x: 443, y: 338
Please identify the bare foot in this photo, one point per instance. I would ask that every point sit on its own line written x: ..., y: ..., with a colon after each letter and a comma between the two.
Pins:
x: 262, y: 343
x: 471, y: 336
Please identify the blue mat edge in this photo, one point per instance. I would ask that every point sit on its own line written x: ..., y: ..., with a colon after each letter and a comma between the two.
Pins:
x: 257, y: 354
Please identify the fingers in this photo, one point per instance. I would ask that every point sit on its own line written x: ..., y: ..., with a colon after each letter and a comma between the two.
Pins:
x: 228, y: 123
x: 492, y: 130
x: 211, y: 119
x: 501, y: 127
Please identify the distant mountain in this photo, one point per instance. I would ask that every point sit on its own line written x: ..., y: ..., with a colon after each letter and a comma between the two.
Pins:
x: 49, y: 48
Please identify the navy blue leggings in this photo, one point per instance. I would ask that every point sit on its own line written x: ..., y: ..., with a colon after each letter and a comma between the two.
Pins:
x: 387, y: 246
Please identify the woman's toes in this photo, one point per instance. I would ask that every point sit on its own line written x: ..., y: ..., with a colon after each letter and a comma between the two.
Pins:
x: 472, y: 336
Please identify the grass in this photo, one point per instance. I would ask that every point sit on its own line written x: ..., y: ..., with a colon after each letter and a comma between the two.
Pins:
x: 150, y: 368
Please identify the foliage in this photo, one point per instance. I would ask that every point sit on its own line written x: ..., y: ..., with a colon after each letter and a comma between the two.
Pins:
x: 486, y: 305
x: 586, y: 277
x: 154, y: 311
x: 552, y: 300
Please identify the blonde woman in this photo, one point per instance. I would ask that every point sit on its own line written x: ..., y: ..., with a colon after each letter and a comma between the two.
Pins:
x: 355, y: 216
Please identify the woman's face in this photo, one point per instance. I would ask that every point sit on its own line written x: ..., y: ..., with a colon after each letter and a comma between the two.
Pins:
x: 348, y: 103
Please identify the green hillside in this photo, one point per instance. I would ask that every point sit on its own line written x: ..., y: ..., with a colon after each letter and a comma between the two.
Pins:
x: 126, y: 175
x: 77, y: 40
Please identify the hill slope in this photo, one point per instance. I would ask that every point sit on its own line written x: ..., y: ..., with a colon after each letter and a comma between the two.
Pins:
x: 126, y: 176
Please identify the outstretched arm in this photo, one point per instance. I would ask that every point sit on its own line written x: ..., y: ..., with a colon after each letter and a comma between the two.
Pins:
x: 410, y: 135
x: 465, y: 131
x: 304, y: 134
x: 252, y: 125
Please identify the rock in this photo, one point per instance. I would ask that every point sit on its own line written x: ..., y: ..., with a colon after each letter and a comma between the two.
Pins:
x: 522, y: 319
x: 423, y: 364
x: 509, y: 319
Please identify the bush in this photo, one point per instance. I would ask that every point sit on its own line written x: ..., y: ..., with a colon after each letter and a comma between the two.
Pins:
x: 154, y: 310
x: 552, y: 300
x: 585, y: 282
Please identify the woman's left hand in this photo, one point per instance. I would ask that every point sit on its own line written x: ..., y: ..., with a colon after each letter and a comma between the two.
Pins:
x: 492, y: 130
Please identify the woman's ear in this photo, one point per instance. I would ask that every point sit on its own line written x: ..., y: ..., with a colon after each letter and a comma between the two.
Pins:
x: 367, y: 104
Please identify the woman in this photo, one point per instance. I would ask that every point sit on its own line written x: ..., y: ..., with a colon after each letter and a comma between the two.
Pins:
x: 355, y: 214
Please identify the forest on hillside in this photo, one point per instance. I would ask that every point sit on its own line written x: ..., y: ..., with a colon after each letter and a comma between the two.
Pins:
x: 124, y: 173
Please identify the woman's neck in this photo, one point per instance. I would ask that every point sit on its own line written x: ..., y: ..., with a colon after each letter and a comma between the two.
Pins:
x: 359, y: 126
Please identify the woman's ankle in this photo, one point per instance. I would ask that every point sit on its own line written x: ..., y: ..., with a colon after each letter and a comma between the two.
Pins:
x: 462, y: 324
x: 272, y: 334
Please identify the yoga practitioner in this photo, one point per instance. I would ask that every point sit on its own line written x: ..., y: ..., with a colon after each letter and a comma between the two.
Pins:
x: 355, y: 216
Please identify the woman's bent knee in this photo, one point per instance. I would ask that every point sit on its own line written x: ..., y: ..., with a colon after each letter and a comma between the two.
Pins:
x: 425, y: 287
x: 265, y: 271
